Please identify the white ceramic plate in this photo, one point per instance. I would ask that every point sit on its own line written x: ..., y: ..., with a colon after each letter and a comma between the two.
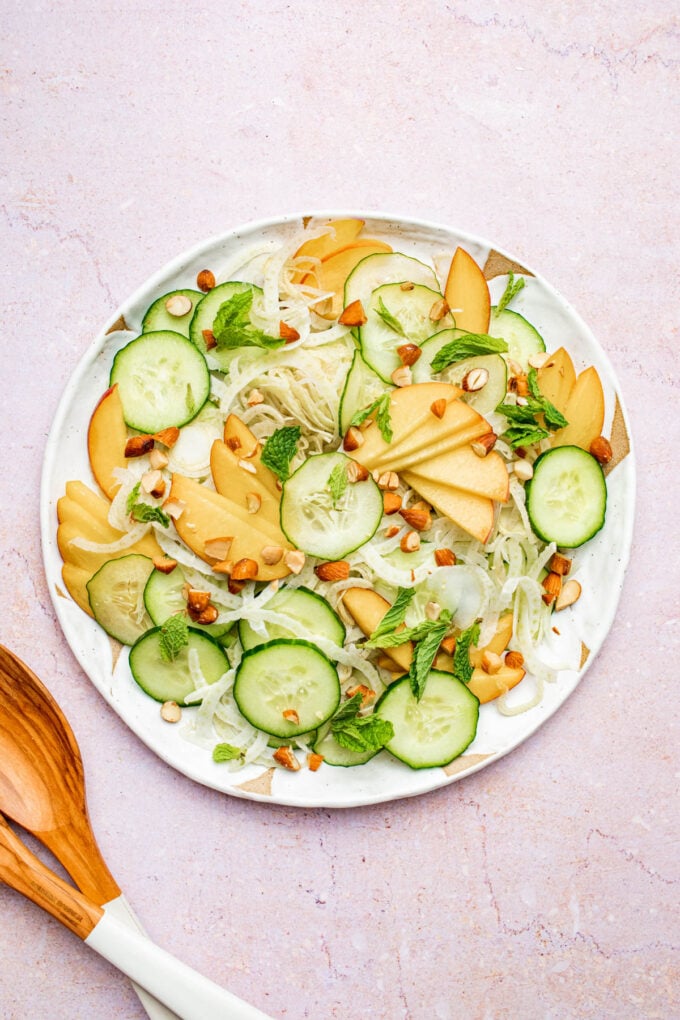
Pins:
x: 601, y: 563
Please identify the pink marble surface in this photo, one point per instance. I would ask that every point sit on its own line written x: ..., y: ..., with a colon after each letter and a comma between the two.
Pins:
x: 547, y: 885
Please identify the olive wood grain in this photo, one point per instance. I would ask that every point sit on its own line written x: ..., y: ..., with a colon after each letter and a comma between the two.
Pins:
x: 42, y: 782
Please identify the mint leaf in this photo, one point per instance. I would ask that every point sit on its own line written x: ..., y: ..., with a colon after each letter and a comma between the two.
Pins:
x: 512, y: 288
x: 554, y: 419
x: 144, y: 512
x: 174, y: 636
x: 337, y: 483
x: 360, y: 733
x: 394, y: 638
x: 525, y: 426
x: 468, y: 346
x: 232, y: 326
x: 395, y: 615
x: 389, y: 319
x: 226, y: 752
x: 279, y: 450
x: 462, y: 667
x: 425, y: 652
x: 382, y: 408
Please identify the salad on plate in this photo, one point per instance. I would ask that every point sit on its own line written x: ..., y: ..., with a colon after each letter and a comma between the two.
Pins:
x: 343, y: 496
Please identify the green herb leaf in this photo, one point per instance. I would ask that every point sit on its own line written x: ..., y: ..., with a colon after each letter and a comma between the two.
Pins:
x: 468, y: 346
x: 174, y: 636
x: 232, y: 326
x: 512, y: 288
x: 462, y: 667
x: 526, y: 428
x: 395, y: 614
x: 389, y: 319
x: 144, y: 512
x: 381, y: 406
x: 226, y: 752
x: 360, y: 733
x: 424, y: 654
x: 337, y: 483
x: 554, y: 419
x: 279, y: 450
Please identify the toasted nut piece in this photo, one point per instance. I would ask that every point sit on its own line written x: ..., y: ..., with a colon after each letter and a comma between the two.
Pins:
x: 245, y: 570
x: 165, y: 564
x: 234, y: 443
x: 174, y: 508
x: 448, y: 645
x: 353, y: 315
x: 439, y: 310
x: 420, y: 520
x: 291, y: 715
x: 402, y: 376
x: 209, y: 338
x: 208, y: 616
x: 523, y: 470
x: 514, y: 660
x: 254, y: 398
x: 218, y: 548
x: 197, y: 600
x: 601, y: 450
x: 514, y: 367
x: 407, y: 285
x: 205, y: 280
x: 314, y: 761
x: 432, y: 610
x: 171, y: 712
x: 438, y: 407
x: 178, y: 305
x: 337, y: 570
x: 485, y: 443
x: 157, y: 459
x: 294, y: 560
x: 288, y: 333
x: 519, y: 384
x: 223, y: 567
x: 388, y: 480
x: 410, y: 542
x: 409, y: 354
x: 474, y: 380
x: 491, y: 662
x: 367, y: 695
x: 391, y: 502
x: 538, y: 360
x: 271, y: 554
x: 137, y: 446
x: 284, y: 756
x: 153, y: 483
x: 356, y: 472
x: 247, y: 466
x: 168, y: 437
x: 445, y: 557
x: 393, y: 528
x: 553, y: 586
x: 560, y: 564
x: 571, y: 592
x: 353, y: 439
x: 235, y: 587
x: 253, y: 502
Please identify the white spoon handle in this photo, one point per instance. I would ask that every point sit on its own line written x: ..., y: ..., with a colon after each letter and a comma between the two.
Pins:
x: 187, y: 993
x: 122, y: 911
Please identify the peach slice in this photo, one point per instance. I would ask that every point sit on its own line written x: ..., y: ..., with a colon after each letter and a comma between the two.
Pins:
x: 339, y: 234
x: 106, y: 437
x: 333, y: 272
x: 367, y: 608
x: 234, y: 479
x: 498, y: 643
x: 463, y: 469
x: 584, y: 411
x: 488, y: 686
x: 467, y: 293
x: 556, y: 378
x: 474, y: 514
x: 245, y: 445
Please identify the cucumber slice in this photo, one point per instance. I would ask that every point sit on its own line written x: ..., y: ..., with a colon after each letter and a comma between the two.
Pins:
x: 163, y: 380
x: 163, y: 599
x: 435, y: 730
x: 314, y: 523
x: 171, y: 680
x: 305, y: 607
x: 386, y: 267
x: 566, y: 499
x: 362, y: 387
x: 334, y: 754
x: 485, y: 400
x: 157, y: 317
x: 521, y: 337
x: 411, y: 308
x: 285, y: 676
x: 116, y: 594
x: 209, y: 306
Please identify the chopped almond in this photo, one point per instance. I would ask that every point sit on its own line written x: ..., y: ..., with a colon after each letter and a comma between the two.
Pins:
x: 560, y: 564
x: 290, y: 715
x: 253, y: 502
x: 514, y: 660
x: 205, y: 280
x: 337, y: 570
x: 421, y: 520
x: 138, y: 446
x: 314, y: 761
x: 439, y: 310
x: 445, y: 557
x: 294, y: 560
x: 271, y: 554
x: 245, y: 570
x: 553, y: 587
x: 165, y: 564
x: 448, y: 645
x: 391, y: 502
x: 157, y: 459
x: 235, y: 587
x: 209, y: 339
x: 438, y: 407
x: 284, y: 756
x: 402, y: 376
x: 601, y: 450
x: 485, y: 443
x: 168, y: 437
x: 353, y: 315
x: 571, y: 592
x: 153, y: 483
x: 367, y: 695
x: 356, y: 472
x: 409, y: 354
x: 218, y: 548
x: 178, y: 305
x: 171, y: 712
x: 197, y: 600
x: 388, y: 480
x: 491, y: 662
x: 288, y: 333
x: 208, y: 616
x: 392, y: 531
x: 353, y: 439
x: 410, y: 542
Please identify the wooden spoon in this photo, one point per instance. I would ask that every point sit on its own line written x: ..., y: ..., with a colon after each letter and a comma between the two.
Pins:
x: 42, y: 789
x: 190, y: 995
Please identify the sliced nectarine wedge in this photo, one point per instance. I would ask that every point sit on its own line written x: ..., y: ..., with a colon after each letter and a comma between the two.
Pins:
x: 234, y: 479
x: 367, y: 608
x: 584, y: 411
x: 463, y: 469
x: 331, y: 274
x: 474, y: 514
x: 556, y: 378
x: 338, y: 234
x: 106, y: 438
x: 467, y: 293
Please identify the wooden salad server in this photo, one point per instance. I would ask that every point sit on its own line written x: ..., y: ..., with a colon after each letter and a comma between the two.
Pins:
x: 42, y: 789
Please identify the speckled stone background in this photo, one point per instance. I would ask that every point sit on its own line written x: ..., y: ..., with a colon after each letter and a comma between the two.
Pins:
x: 547, y: 885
